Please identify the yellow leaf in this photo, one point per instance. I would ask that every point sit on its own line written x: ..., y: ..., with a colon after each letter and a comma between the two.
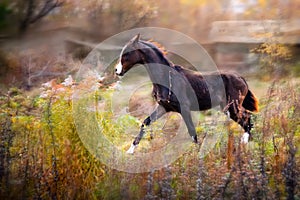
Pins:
x: 28, y: 126
x: 38, y: 125
x: 13, y: 119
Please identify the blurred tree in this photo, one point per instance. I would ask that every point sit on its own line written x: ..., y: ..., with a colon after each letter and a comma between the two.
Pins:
x: 18, y: 15
x: 4, y: 13
x: 31, y: 11
x: 271, y: 9
x: 192, y: 17
x: 113, y: 16
x: 102, y: 18
x: 274, y: 57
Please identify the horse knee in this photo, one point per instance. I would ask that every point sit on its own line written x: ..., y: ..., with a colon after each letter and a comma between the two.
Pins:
x: 146, y: 122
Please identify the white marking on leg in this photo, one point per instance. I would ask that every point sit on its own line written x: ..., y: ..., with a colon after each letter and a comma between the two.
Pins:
x: 245, y: 138
x: 131, y: 149
x: 119, y: 68
x: 228, y: 114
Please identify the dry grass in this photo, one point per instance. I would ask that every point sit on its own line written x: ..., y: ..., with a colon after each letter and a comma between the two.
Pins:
x: 42, y: 157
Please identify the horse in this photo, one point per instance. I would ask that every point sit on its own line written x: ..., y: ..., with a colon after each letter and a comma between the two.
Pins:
x: 182, y: 90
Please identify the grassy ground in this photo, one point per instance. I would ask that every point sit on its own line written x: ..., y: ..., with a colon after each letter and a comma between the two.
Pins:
x: 42, y: 156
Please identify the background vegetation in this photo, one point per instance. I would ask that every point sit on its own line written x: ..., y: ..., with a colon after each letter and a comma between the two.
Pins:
x: 42, y: 156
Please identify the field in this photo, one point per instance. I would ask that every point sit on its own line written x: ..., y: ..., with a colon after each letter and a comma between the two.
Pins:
x: 67, y: 119
x: 42, y: 155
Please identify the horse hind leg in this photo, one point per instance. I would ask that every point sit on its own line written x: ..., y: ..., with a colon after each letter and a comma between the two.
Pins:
x: 245, y: 122
x: 186, y: 115
x: 243, y: 118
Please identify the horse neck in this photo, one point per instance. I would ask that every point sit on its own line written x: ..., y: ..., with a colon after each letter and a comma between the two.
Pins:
x: 157, y: 65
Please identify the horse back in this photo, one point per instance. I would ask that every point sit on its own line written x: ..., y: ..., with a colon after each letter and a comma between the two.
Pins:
x: 216, y: 88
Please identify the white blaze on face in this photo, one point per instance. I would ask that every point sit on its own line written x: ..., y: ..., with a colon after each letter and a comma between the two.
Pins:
x: 119, y: 67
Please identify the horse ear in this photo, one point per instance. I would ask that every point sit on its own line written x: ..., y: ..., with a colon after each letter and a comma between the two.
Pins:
x: 136, y: 38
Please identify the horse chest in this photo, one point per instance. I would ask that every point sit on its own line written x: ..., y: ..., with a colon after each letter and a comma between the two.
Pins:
x: 166, y: 99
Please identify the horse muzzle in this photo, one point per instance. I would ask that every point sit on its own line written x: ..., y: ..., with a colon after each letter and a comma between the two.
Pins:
x: 119, y: 69
x: 119, y: 73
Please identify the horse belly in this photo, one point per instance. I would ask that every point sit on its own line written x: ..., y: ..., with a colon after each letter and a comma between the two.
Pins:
x: 203, y: 102
x: 170, y: 106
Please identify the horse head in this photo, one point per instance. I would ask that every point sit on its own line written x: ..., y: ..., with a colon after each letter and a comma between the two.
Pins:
x: 130, y: 56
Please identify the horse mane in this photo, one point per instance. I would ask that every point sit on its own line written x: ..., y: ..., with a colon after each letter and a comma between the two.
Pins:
x: 158, y: 46
x: 159, y: 49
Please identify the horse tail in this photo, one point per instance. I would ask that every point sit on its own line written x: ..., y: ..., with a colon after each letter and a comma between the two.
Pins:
x: 251, y: 102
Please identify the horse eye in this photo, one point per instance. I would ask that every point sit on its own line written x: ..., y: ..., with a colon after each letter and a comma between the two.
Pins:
x: 125, y: 57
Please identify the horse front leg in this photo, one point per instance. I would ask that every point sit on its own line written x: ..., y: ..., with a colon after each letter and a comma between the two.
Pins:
x: 187, y: 117
x: 156, y: 114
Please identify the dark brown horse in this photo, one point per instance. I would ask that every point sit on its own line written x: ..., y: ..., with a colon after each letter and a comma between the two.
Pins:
x: 181, y: 90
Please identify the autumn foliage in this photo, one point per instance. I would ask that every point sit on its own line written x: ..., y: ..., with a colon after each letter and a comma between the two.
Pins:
x: 43, y: 157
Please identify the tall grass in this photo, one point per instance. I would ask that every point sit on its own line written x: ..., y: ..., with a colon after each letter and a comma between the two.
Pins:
x: 42, y: 156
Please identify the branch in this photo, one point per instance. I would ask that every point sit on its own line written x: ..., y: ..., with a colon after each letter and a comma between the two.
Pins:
x: 47, y: 8
x: 32, y: 8
x: 29, y: 12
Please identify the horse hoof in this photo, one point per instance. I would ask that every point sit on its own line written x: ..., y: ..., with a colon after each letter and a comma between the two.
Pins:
x: 131, y: 149
x: 195, y: 140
